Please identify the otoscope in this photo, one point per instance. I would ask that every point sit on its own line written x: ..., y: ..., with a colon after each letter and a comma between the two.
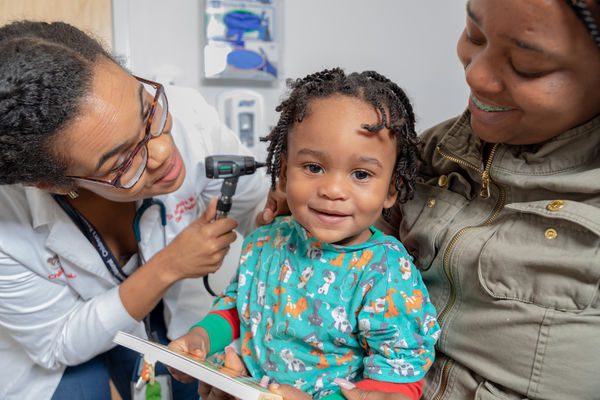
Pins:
x: 229, y: 168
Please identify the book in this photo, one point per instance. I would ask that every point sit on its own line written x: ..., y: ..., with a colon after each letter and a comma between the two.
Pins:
x: 243, y: 387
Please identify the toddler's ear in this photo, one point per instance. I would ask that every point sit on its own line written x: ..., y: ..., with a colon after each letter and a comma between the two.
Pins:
x: 390, y: 198
x: 282, y: 178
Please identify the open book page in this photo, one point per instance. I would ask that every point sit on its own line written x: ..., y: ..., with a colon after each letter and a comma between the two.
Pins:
x: 242, y: 387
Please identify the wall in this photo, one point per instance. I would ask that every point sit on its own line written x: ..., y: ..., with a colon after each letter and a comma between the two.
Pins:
x: 412, y: 42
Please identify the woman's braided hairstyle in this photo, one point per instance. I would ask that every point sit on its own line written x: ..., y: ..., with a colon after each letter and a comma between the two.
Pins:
x: 392, y: 104
x: 583, y: 12
x: 45, y: 73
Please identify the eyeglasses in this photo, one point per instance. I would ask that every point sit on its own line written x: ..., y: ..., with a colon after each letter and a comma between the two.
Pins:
x: 128, y: 173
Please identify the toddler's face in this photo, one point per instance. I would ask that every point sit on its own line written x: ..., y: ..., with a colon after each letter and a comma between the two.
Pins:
x: 337, y: 176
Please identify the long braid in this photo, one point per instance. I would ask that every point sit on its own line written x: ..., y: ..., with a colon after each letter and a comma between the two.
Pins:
x: 393, y: 106
x: 583, y: 12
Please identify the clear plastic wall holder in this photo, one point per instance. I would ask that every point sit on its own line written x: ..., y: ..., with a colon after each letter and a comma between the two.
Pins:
x: 240, y: 42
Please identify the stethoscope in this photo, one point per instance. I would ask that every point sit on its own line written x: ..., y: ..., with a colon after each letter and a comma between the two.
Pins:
x: 145, y: 206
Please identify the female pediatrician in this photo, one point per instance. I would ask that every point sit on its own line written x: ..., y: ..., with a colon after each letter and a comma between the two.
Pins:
x: 82, y: 144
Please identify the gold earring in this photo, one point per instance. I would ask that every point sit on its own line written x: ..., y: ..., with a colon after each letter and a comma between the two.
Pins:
x: 73, y: 194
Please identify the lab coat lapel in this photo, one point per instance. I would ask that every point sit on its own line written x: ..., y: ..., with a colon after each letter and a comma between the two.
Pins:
x: 76, y: 254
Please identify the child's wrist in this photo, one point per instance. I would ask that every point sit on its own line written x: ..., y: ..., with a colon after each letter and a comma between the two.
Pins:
x: 217, y: 332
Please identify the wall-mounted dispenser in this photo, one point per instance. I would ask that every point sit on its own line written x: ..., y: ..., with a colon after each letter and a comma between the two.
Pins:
x: 242, y: 111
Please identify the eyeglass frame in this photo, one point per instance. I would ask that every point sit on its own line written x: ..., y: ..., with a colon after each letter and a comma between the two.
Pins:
x: 125, y: 165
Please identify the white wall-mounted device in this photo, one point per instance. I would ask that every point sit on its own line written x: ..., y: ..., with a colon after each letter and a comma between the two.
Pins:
x: 242, y: 111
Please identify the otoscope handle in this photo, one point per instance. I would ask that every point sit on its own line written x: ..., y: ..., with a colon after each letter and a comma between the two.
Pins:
x: 227, y: 191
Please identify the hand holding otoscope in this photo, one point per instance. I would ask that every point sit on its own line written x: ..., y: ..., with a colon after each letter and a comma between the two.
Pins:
x: 229, y: 168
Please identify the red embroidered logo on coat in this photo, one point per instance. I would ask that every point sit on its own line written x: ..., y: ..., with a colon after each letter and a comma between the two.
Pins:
x: 54, y: 262
x: 181, y: 208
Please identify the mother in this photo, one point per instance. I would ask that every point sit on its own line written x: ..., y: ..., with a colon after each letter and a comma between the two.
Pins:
x: 83, y: 146
x: 506, y: 221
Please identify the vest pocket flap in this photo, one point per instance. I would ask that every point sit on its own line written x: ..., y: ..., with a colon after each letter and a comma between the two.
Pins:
x: 585, y: 215
x: 487, y: 391
x: 547, y: 258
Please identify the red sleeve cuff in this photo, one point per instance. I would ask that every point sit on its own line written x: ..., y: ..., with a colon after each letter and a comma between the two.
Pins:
x: 412, y: 390
x: 232, y: 317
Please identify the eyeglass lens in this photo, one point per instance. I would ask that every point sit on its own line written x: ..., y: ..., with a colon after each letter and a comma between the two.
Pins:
x: 159, y: 119
x: 160, y: 112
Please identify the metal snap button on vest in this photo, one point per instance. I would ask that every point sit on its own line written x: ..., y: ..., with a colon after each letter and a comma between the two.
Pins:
x: 551, y: 233
x: 555, y: 205
x: 431, y: 203
x: 442, y: 181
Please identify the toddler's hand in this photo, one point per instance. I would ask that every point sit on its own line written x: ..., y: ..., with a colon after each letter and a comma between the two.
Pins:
x: 196, y: 343
x: 233, y: 366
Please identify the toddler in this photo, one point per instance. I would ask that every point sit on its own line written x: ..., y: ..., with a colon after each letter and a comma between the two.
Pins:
x: 322, y: 294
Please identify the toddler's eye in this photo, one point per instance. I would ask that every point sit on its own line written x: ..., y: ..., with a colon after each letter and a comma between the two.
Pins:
x: 361, y: 175
x: 313, y: 168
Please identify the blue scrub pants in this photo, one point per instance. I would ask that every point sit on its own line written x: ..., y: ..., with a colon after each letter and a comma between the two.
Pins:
x: 89, y: 381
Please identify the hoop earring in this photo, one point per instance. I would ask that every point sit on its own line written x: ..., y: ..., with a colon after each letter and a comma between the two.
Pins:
x: 73, y: 194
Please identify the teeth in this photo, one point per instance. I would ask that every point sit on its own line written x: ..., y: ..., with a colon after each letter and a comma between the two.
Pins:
x: 487, y: 107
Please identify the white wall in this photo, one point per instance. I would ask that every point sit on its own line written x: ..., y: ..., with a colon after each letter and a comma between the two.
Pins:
x: 411, y: 42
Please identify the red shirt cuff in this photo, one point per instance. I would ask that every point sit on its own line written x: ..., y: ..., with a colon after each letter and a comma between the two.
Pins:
x: 412, y: 390
x: 233, y: 319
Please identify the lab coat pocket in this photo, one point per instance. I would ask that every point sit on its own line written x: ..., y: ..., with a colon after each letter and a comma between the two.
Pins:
x: 544, y: 253
x: 488, y: 391
x: 425, y: 218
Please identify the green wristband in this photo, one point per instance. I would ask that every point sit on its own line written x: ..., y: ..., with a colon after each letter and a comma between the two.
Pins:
x: 219, y: 332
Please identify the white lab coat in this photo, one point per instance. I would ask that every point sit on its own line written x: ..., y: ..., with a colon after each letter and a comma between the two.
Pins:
x: 59, y: 305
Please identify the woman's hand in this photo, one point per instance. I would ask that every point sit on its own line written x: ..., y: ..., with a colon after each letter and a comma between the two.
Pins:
x: 200, y: 248
x: 196, y: 343
x: 276, y: 205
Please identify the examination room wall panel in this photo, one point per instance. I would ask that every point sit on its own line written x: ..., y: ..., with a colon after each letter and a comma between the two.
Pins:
x: 412, y: 42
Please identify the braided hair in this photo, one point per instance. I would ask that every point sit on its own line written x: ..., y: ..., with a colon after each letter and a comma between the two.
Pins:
x: 584, y: 13
x: 45, y: 72
x: 394, y: 108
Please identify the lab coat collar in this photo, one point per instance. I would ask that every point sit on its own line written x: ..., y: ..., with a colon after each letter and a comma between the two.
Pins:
x: 64, y: 237
x: 43, y: 208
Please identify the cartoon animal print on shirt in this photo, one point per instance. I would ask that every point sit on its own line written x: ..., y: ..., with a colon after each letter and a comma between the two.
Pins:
x: 413, y: 303
x: 360, y: 262
x: 405, y: 269
x: 329, y: 278
x: 261, y: 293
x: 296, y: 309
x: 246, y: 351
x: 269, y: 365
x: 392, y: 311
x: 307, y: 273
x: 246, y: 253
x: 346, y: 358
x: 338, y: 261
x: 340, y: 320
x: 315, y: 318
x: 291, y: 363
x: 278, y: 292
x: 323, y: 363
x: 286, y: 271
x: 401, y: 367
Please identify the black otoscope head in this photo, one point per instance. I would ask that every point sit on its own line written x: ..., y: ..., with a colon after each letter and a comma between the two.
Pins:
x: 230, y: 166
